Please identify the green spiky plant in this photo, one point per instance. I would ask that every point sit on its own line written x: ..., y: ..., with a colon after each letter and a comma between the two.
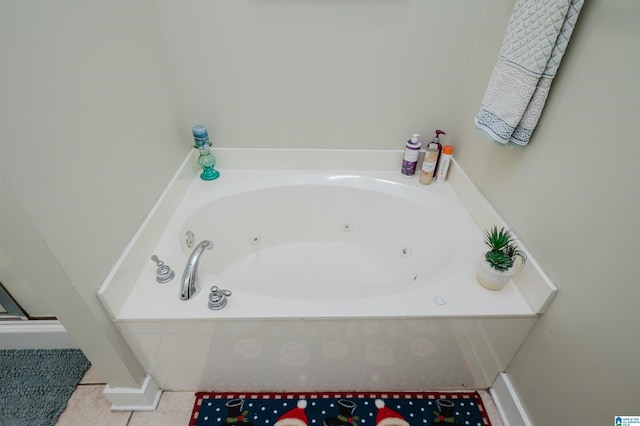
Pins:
x: 503, y: 249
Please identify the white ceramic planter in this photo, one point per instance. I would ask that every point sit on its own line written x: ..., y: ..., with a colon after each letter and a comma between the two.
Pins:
x: 492, y: 279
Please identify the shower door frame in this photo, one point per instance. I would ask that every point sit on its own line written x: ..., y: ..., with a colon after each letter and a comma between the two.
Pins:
x: 13, y: 310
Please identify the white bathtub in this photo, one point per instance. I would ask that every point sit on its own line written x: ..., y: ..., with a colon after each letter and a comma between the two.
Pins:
x: 362, y: 272
x: 327, y: 237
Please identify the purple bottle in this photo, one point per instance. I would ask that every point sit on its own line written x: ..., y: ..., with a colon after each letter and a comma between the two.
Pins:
x: 411, y: 154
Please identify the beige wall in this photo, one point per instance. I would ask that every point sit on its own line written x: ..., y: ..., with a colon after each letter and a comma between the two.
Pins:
x: 91, y: 130
x: 325, y: 74
x: 572, y: 196
x: 90, y: 134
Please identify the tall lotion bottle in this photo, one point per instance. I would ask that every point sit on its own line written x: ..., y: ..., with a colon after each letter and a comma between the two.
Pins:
x: 428, y: 168
x: 411, y: 154
x: 436, y: 140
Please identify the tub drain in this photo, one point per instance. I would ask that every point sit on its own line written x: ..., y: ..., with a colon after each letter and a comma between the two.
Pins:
x: 255, y: 239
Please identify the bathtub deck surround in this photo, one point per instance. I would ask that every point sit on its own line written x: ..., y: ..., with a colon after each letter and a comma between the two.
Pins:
x: 363, y: 245
x: 427, y: 324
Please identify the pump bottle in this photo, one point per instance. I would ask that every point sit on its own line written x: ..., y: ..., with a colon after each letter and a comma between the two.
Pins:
x: 411, y: 154
x: 437, y: 141
x: 429, y: 164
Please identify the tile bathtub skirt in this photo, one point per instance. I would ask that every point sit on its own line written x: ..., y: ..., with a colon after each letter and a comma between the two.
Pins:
x: 339, y: 409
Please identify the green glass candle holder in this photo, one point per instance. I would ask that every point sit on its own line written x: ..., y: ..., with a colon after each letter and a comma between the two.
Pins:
x: 207, y: 161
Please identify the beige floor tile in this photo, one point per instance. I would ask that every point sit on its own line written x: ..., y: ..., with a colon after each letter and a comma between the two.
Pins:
x: 92, y: 377
x: 174, y: 409
x: 88, y: 406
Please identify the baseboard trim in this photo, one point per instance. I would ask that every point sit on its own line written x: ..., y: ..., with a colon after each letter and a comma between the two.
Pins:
x: 145, y: 398
x: 35, y: 334
x: 507, y: 402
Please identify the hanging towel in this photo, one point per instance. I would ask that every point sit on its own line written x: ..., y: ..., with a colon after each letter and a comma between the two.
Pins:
x: 536, y: 39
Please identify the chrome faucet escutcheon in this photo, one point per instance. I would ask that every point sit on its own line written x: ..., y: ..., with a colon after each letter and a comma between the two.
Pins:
x: 190, y: 286
x: 164, y: 274
x: 218, y: 298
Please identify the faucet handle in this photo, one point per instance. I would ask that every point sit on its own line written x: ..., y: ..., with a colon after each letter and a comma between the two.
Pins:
x: 218, y: 298
x: 164, y: 274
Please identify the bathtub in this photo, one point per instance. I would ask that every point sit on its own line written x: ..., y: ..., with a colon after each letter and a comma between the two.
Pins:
x: 325, y: 238
x: 340, y: 279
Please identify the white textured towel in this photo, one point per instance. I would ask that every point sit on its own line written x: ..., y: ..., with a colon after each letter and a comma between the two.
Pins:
x: 536, y: 39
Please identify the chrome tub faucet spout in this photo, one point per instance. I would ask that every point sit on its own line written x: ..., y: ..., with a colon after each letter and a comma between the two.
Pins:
x: 190, y: 287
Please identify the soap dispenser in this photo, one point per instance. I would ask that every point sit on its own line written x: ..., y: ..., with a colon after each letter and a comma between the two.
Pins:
x: 411, y: 154
x: 429, y: 164
x: 436, y: 140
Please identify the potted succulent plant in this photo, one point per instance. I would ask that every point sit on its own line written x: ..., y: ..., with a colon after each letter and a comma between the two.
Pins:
x: 499, y: 263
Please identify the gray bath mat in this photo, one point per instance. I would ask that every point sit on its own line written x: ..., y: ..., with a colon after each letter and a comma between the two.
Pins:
x: 35, y: 384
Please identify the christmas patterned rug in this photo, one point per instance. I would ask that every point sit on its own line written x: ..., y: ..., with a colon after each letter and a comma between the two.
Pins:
x: 339, y: 409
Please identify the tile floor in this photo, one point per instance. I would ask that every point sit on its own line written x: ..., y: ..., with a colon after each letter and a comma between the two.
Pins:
x: 88, y: 406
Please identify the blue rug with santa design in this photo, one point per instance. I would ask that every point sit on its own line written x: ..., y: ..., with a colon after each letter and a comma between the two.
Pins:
x: 339, y: 409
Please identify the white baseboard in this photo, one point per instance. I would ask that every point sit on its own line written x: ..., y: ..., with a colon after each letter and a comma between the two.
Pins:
x: 35, y: 334
x: 145, y: 398
x: 507, y: 402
